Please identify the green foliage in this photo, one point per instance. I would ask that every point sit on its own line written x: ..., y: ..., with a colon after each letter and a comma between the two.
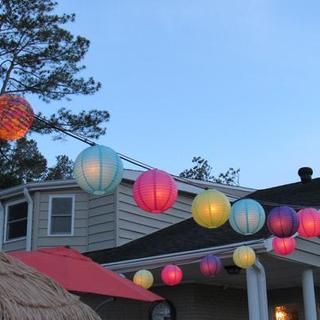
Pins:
x: 39, y: 56
x: 63, y: 169
x: 21, y: 162
x: 202, y: 171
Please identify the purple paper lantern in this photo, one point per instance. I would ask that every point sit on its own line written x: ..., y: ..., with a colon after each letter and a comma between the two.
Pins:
x: 283, y: 222
x: 210, y: 265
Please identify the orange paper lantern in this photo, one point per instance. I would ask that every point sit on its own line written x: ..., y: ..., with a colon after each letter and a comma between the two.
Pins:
x: 16, y: 116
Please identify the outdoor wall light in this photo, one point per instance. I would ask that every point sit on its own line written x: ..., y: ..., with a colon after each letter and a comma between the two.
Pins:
x: 232, y: 269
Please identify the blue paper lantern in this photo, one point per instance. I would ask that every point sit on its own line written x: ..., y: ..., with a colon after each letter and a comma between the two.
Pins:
x: 283, y: 222
x: 210, y: 265
x: 247, y: 216
x: 98, y: 170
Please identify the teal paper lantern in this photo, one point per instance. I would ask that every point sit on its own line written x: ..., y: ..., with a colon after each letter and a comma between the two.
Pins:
x: 247, y: 216
x: 98, y: 170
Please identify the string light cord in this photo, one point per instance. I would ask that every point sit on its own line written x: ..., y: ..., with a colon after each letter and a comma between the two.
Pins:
x: 148, y: 167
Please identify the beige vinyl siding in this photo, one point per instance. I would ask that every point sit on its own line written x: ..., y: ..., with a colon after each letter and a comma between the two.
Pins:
x: 14, y: 245
x: 134, y: 223
x: 102, y: 222
x: 79, y: 239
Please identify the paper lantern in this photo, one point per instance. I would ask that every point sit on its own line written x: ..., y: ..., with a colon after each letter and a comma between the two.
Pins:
x: 98, y: 170
x: 143, y: 278
x: 283, y: 222
x: 171, y: 275
x: 16, y: 116
x: 211, y: 209
x: 247, y: 216
x: 155, y: 191
x: 210, y: 265
x: 283, y: 246
x: 244, y: 257
x: 309, y: 223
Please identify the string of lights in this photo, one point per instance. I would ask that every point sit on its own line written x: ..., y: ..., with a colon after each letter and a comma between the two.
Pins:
x: 148, y: 167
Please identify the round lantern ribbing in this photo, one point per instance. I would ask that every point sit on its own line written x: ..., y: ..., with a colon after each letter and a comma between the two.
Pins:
x: 16, y: 117
x: 247, y: 216
x: 244, y: 257
x: 211, y: 209
x: 155, y: 191
x: 283, y: 246
x: 210, y: 265
x: 171, y: 275
x: 143, y: 278
x: 98, y: 170
x: 309, y: 223
x: 283, y: 222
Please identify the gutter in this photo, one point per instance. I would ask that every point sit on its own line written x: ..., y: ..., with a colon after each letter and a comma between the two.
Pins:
x: 30, y: 219
x: 181, y: 258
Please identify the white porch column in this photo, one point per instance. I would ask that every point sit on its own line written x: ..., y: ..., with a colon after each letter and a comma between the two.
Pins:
x: 253, y: 294
x: 309, y: 299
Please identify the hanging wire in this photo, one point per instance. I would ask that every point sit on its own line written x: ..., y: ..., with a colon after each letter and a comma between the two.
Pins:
x: 148, y: 167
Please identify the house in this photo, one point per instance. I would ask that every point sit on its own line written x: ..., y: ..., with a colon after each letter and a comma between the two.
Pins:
x: 54, y: 213
x: 277, y: 287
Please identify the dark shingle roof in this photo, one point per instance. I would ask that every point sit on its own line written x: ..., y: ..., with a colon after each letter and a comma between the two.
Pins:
x: 187, y: 235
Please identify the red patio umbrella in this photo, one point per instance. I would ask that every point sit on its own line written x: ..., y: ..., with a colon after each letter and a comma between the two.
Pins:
x: 75, y: 272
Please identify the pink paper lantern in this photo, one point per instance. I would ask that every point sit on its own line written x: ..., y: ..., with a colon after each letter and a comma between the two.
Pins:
x: 171, y: 275
x: 309, y: 223
x: 284, y: 246
x: 155, y: 191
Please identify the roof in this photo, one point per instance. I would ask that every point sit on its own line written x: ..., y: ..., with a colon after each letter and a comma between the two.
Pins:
x: 188, y: 236
x: 128, y: 176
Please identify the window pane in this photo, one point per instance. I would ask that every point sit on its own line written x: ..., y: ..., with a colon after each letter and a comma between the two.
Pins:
x: 61, y: 206
x: 16, y: 229
x: 17, y: 211
x: 60, y: 225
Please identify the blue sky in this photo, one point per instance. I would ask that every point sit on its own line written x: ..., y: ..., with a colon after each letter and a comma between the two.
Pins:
x: 234, y: 81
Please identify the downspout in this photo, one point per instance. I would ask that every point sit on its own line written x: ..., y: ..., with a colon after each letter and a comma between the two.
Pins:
x: 262, y: 290
x: 1, y: 225
x: 30, y: 219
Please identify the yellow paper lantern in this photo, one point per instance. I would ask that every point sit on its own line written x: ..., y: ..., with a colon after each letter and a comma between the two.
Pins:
x: 143, y: 278
x: 244, y: 257
x: 211, y: 209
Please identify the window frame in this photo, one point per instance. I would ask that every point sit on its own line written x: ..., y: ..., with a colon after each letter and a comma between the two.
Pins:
x: 7, y: 205
x: 51, y: 197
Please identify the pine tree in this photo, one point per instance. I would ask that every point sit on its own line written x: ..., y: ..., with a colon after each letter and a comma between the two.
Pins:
x: 38, y: 56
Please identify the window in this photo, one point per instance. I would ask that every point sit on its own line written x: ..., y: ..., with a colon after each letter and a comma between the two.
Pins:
x: 61, y: 212
x: 16, y: 220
